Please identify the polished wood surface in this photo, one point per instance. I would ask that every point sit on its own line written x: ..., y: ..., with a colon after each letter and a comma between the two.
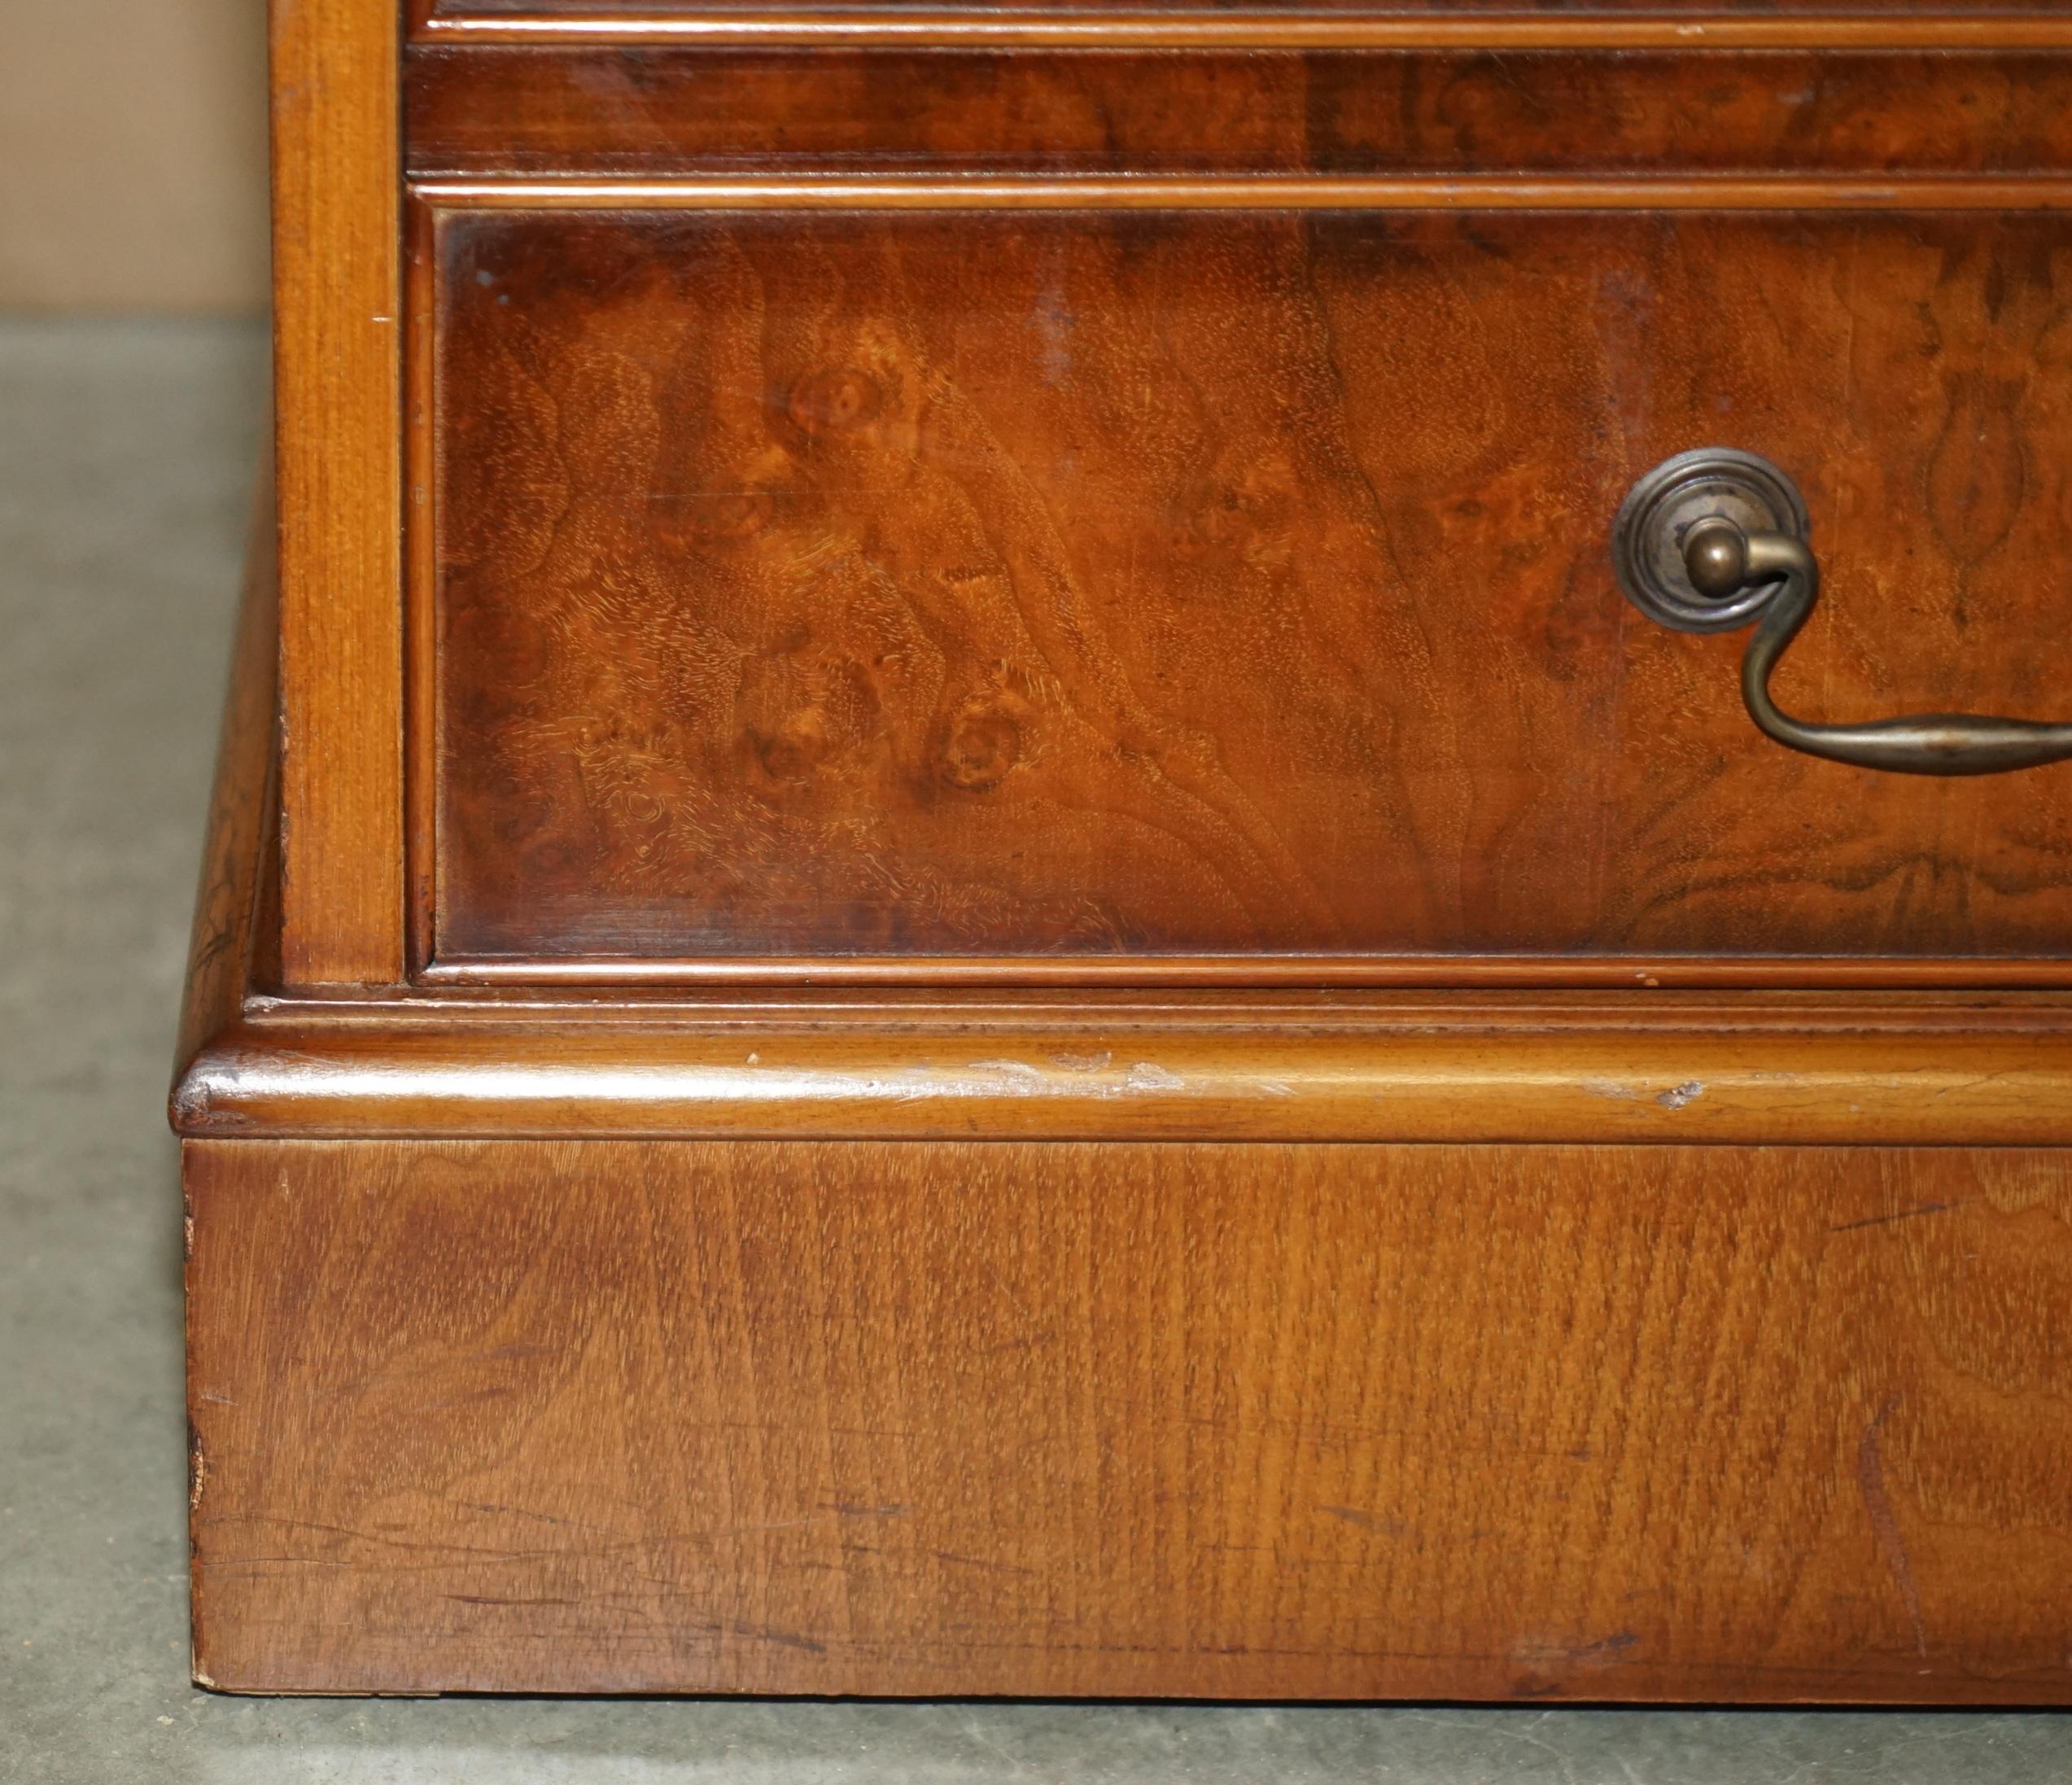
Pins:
x: 220, y: 950
x: 1500, y: 24
x: 1086, y: 584
x: 562, y: 110
x: 1338, y: 1067
x: 1280, y: 13
x: 1905, y: 193
x: 957, y: 685
x: 1268, y: 1421
x: 337, y: 334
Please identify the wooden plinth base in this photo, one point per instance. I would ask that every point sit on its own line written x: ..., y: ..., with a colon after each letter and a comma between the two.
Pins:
x: 1254, y: 1421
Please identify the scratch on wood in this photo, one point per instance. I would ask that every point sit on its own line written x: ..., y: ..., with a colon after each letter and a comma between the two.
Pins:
x: 1884, y: 1523
x: 981, y: 1562
x: 491, y: 1598
x: 1532, y: 1653
x: 1365, y: 1521
x: 1900, y: 1214
x: 782, y: 1638
x: 1677, y: 1096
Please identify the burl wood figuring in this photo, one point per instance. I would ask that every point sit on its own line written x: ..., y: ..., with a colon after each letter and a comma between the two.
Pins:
x: 1221, y: 582
x: 959, y: 937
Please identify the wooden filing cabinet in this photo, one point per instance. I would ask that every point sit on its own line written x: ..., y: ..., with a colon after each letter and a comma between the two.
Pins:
x: 1003, y: 899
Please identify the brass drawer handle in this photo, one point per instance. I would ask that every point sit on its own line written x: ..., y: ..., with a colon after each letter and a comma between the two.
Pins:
x: 1709, y: 541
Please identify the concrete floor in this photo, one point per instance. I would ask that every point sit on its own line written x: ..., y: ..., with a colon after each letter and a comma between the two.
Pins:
x: 126, y: 451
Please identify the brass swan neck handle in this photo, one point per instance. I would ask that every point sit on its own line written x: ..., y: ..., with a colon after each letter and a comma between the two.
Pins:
x: 1711, y: 540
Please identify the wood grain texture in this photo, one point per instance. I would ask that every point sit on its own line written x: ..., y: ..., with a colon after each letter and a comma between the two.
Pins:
x: 1053, y: 518
x: 1072, y: 583
x: 1482, y: 14
x: 1905, y: 193
x: 567, y: 111
x: 1627, y: 24
x: 1258, y: 1422
x: 220, y: 947
x: 1597, y: 1069
x: 336, y: 267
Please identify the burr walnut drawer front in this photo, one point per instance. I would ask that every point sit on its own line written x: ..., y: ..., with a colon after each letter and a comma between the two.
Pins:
x: 904, y: 579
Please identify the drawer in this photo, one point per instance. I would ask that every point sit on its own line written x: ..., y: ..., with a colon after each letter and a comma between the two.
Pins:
x: 1335, y: 106
x: 917, y: 579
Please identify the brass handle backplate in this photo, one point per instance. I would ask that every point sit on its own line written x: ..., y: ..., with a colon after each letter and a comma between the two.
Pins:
x: 1714, y: 539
